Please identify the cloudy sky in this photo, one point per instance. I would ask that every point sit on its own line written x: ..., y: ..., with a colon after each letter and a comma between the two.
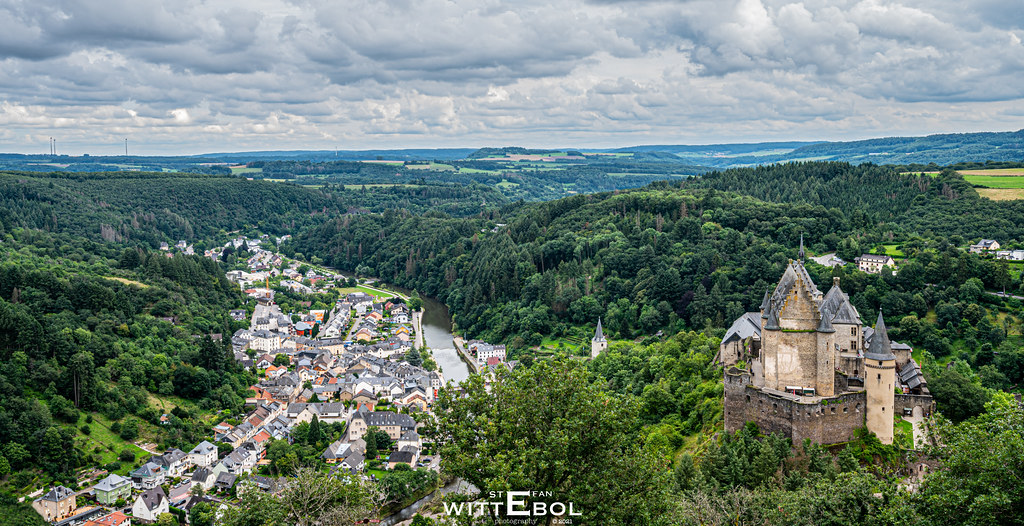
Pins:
x: 195, y: 76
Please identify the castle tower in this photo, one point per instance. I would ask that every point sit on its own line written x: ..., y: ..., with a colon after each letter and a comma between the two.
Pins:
x: 880, y: 380
x: 598, y: 343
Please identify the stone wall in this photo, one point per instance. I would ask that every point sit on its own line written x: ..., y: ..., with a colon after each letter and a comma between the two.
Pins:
x: 909, y: 401
x: 829, y: 421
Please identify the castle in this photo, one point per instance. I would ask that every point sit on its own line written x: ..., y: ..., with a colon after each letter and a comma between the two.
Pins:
x: 806, y: 366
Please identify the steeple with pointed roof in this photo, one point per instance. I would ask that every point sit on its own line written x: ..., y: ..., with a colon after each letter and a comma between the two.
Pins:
x: 801, y: 253
x: 881, y: 347
x: 598, y: 343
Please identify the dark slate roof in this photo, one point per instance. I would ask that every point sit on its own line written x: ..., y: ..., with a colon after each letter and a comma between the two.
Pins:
x: 401, y: 456
x: 226, y: 480
x: 766, y: 300
x: 201, y: 475
x: 880, y: 346
x: 57, y: 493
x: 599, y: 334
x: 744, y: 327
x: 847, y: 314
x: 152, y: 498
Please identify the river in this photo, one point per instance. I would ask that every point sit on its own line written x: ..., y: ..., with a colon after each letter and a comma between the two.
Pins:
x: 437, y: 334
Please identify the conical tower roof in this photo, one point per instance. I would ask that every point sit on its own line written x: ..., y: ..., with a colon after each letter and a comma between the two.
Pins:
x: 599, y: 334
x: 880, y: 348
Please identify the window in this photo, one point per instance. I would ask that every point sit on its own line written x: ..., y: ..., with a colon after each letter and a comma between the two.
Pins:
x: 853, y: 331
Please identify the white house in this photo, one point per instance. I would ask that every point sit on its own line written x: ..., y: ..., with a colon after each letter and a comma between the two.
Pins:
x: 872, y: 263
x: 203, y: 455
x: 150, y: 505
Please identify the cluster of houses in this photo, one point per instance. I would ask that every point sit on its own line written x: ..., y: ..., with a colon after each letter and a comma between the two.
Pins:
x: 182, y: 246
x: 874, y: 263
x: 353, y: 372
x: 991, y: 246
x: 140, y: 497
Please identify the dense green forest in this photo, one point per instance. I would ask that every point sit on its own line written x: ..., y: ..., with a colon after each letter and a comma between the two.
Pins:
x: 672, y: 257
x: 95, y: 339
x: 148, y: 208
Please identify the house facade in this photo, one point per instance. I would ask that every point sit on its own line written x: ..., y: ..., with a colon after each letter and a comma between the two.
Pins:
x: 150, y: 505
x: 873, y: 263
x: 111, y: 488
x: 57, y: 504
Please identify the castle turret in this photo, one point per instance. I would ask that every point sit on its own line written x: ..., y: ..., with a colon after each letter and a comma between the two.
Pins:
x: 879, y: 381
x: 598, y: 343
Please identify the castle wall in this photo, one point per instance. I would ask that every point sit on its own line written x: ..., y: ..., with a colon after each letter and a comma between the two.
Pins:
x: 829, y: 421
x: 797, y: 360
x: 910, y: 401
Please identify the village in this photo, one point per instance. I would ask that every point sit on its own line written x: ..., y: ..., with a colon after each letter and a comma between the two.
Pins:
x: 362, y: 365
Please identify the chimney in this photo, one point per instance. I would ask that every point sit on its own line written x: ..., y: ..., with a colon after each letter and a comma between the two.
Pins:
x: 835, y: 281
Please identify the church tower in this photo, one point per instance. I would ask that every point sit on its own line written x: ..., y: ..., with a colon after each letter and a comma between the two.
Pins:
x: 879, y: 381
x: 598, y: 343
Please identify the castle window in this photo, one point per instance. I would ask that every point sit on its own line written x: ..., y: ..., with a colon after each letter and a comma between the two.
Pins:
x: 748, y: 398
x: 858, y: 407
x: 853, y: 331
x: 845, y: 410
x: 879, y: 377
x: 833, y: 410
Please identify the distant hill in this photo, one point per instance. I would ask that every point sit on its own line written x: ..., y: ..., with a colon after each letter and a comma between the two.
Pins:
x: 942, y: 149
x: 414, y: 154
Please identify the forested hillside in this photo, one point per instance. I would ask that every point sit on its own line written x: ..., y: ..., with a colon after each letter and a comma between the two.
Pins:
x: 149, y: 208
x: 671, y: 256
x: 96, y: 339
x: 930, y: 205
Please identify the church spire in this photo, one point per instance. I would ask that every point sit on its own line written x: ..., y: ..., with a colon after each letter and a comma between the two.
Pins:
x: 801, y: 254
x: 599, y: 334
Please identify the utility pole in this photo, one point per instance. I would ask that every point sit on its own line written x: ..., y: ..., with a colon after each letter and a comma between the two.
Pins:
x: 126, y: 146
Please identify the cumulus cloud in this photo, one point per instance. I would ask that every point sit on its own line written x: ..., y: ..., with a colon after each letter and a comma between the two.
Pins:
x: 193, y: 76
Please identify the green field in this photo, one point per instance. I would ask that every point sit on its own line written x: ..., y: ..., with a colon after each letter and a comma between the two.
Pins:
x: 506, y: 184
x: 245, y: 170
x: 374, y: 293
x: 894, y: 251
x: 996, y: 181
x: 106, y: 441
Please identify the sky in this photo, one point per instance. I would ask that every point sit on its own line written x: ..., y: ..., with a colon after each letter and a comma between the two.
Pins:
x: 197, y: 76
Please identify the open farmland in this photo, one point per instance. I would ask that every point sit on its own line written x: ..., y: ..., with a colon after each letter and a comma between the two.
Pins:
x: 996, y: 181
x: 1001, y: 194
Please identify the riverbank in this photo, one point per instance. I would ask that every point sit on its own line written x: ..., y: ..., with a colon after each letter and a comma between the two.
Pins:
x: 417, y: 325
x: 460, y: 347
